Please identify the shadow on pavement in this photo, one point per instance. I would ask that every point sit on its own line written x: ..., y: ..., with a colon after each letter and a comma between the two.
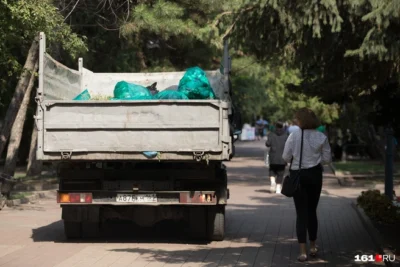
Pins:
x: 256, y: 235
x: 121, y: 232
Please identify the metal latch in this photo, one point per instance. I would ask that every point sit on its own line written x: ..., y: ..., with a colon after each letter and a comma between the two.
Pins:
x: 66, y: 155
x: 39, y: 99
x: 198, y: 155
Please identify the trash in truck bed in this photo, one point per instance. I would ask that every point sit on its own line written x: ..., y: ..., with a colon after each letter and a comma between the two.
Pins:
x: 193, y: 85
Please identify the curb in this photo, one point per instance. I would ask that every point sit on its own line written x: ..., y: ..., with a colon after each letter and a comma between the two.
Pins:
x: 366, y: 174
x: 373, y: 232
x: 37, y: 186
x: 351, y: 182
x: 25, y: 200
x: 347, y: 182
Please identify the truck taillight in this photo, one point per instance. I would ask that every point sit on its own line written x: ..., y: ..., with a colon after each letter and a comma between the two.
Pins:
x: 206, y: 198
x: 74, y: 198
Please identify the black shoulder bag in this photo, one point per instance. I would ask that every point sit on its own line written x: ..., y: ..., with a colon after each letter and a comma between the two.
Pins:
x: 291, y: 182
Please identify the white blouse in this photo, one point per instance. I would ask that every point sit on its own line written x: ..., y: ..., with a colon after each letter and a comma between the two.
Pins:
x: 316, y: 149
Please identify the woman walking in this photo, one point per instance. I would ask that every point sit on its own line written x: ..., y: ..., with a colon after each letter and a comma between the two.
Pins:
x: 316, y: 151
x: 276, y: 143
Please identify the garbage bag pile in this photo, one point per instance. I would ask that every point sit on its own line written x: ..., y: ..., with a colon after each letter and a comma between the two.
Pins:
x: 193, y: 85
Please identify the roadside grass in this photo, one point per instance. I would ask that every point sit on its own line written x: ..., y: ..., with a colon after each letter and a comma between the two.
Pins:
x: 361, y: 167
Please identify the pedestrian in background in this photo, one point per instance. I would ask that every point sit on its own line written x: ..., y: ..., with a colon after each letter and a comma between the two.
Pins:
x: 276, y: 143
x: 259, y: 128
x: 316, y: 151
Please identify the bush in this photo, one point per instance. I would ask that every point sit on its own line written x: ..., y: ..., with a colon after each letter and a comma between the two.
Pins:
x: 379, y: 207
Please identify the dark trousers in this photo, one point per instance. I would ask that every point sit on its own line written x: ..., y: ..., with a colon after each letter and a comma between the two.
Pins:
x: 278, y: 171
x: 306, y: 201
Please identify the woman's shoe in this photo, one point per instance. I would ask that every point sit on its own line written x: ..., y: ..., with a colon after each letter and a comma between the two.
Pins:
x: 278, y: 188
x: 302, y: 258
x: 272, y: 188
x: 313, y: 251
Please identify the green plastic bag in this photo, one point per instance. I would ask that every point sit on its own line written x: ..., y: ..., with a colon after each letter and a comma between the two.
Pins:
x: 170, y: 94
x: 130, y: 91
x: 321, y: 128
x: 83, y: 96
x: 195, y: 85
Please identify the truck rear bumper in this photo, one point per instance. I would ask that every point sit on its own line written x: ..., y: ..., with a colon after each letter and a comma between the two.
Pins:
x: 142, y: 198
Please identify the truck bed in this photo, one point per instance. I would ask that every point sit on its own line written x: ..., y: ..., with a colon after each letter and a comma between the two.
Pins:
x: 123, y: 130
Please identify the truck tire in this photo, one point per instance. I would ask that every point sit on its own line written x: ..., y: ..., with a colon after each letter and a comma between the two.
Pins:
x: 72, y: 230
x: 216, y: 223
x: 198, y: 222
x: 90, y: 229
x: 223, y: 175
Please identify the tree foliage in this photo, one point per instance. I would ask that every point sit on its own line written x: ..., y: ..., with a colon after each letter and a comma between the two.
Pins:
x: 146, y: 35
x: 262, y: 89
x: 345, y: 49
x: 20, y: 22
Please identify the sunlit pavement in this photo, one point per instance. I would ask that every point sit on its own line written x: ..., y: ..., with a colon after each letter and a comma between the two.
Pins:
x: 260, y: 230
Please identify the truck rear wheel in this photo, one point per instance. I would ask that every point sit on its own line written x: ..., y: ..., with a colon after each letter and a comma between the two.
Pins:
x: 216, y: 223
x: 197, y: 222
x: 72, y: 229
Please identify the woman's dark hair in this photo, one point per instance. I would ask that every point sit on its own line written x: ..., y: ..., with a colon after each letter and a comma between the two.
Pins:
x: 306, y: 119
x: 279, y: 125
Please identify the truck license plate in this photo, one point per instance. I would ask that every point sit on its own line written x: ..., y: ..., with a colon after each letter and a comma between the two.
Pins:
x: 137, y: 198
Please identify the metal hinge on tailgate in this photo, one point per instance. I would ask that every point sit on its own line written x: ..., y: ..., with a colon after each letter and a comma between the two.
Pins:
x: 38, y: 117
x: 65, y: 155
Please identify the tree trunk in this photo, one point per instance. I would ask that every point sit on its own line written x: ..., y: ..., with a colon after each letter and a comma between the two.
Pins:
x: 20, y: 90
x: 34, y: 166
x: 142, y: 60
x: 376, y: 149
x: 18, y: 127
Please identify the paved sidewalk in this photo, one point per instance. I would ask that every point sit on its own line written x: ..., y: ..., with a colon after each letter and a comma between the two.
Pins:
x: 260, y: 231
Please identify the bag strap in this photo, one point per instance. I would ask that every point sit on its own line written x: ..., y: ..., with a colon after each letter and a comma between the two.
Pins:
x: 301, y: 148
x: 301, y: 152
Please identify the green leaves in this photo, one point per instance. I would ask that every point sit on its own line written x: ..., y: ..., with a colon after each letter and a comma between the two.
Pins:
x: 379, y: 207
x: 164, y: 18
x: 261, y: 88
x: 28, y: 17
x: 380, y: 40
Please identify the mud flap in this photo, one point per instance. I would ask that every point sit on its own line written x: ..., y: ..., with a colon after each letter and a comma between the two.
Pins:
x: 81, y: 213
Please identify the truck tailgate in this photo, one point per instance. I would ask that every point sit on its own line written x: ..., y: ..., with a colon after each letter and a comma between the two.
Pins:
x: 100, y: 129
